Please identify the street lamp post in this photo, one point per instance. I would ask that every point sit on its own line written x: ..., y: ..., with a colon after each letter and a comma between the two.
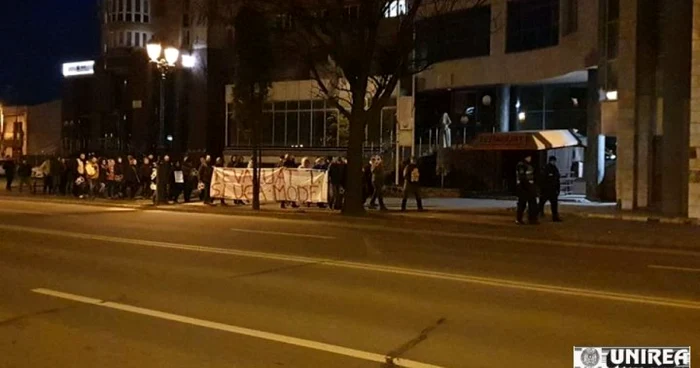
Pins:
x: 165, y: 59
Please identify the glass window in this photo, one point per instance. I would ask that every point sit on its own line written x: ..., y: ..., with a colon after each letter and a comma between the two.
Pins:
x: 374, y: 132
x: 388, y: 127
x: 144, y: 39
x: 137, y: 6
x: 332, y: 129
x: 128, y: 39
x: 129, y: 10
x: 318, y: 123
x: 267, y: 129
x: 305, y: 128
x: 280, y: 130
x: 305, y: 105
x: 121, y: 38
x: 318, y: 104
x: 532, y: 24
x: 137, y: 40
x: 456, y: 35
x: 280, y: 106
x: 292, y: 128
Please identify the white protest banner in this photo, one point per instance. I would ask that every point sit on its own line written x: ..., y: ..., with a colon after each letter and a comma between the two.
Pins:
x: 276, y: 185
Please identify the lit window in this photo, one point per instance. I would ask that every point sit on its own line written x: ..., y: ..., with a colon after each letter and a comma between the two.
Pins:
x: 395, y: 8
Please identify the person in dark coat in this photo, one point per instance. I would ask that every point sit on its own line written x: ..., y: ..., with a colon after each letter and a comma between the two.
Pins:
x: 165, y: 168
x: 378, y: 184
x: 24, y: 171
x: 191, y: 179
x: 550, y: 188
x: 336, y: 174
x: 131, y: 179
x: 526, y: 191
x: 10, y: 168
x: 145, y: 171
x: 411, y: 184
x: 177, y: 181
x: 205, y: 172
x: 367, y: 187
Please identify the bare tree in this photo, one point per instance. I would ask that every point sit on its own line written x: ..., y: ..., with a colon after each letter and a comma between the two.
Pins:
x: 357, y: 51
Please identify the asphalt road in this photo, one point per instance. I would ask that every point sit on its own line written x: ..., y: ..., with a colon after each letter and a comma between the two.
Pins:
x: 89, y: 286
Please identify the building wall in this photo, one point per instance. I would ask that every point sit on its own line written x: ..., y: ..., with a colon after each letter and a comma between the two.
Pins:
x: 574, y: 53
x: 13, y: 140
x: 45, y: 134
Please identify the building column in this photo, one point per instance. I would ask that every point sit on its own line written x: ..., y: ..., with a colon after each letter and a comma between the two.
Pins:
x: 594, y: 163
x: 676, y: 44
x: 626, y: 181
x: 647, y: 32
x: 504, y: 109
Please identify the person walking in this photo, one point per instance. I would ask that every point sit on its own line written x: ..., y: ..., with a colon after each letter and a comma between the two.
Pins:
x: 550, y: 188
x: 10, y: 168
x: 526, y: 191
x: 378, y: 184
x: 24, y: 171
x: 411, y: 184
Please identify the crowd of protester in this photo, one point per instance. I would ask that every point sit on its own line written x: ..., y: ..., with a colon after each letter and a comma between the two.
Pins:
x: 128, y: 177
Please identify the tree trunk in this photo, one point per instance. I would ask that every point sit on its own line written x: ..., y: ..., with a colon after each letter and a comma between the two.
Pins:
x: 353, y: 192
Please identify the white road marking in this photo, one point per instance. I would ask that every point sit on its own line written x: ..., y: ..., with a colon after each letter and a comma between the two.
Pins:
x: 673, y: 268
x: 269, y: 336
x: 457, y: 235
x: 328, y: 262
x: 299, y: 235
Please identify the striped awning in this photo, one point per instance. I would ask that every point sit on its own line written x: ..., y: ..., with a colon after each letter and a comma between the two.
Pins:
x: 526, y: 141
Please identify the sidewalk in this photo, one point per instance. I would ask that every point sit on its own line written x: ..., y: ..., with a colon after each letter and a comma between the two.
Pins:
x: 456, y: 207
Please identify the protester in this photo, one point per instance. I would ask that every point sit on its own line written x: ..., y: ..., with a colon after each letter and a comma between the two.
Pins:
x: 24, y: 171
x: 550, y: 189
x: 367, y: 186
x: 165, y: 173
x: 526, y: 191
x: 378, y: 184
x: 45, y: 170
x: 336, y: 173
x: 62, y: 176
x: 92, y: 173
x: 10, y: 168
x: 178, y: 181
x: 145, y: 171
x: 80, y: 184
x: 411, y: 184
x: 232, y: 163
x: 190, y: 178
x: 131, y: 179
x: 107, y: 176
x: 205, y: 173
x: 119, y: 178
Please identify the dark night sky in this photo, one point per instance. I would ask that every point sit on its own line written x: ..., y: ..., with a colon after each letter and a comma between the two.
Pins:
x: 36, y: 37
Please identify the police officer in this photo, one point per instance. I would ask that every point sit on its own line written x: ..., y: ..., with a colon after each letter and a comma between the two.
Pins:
x: 526, y: 191
x: 550, y: 188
